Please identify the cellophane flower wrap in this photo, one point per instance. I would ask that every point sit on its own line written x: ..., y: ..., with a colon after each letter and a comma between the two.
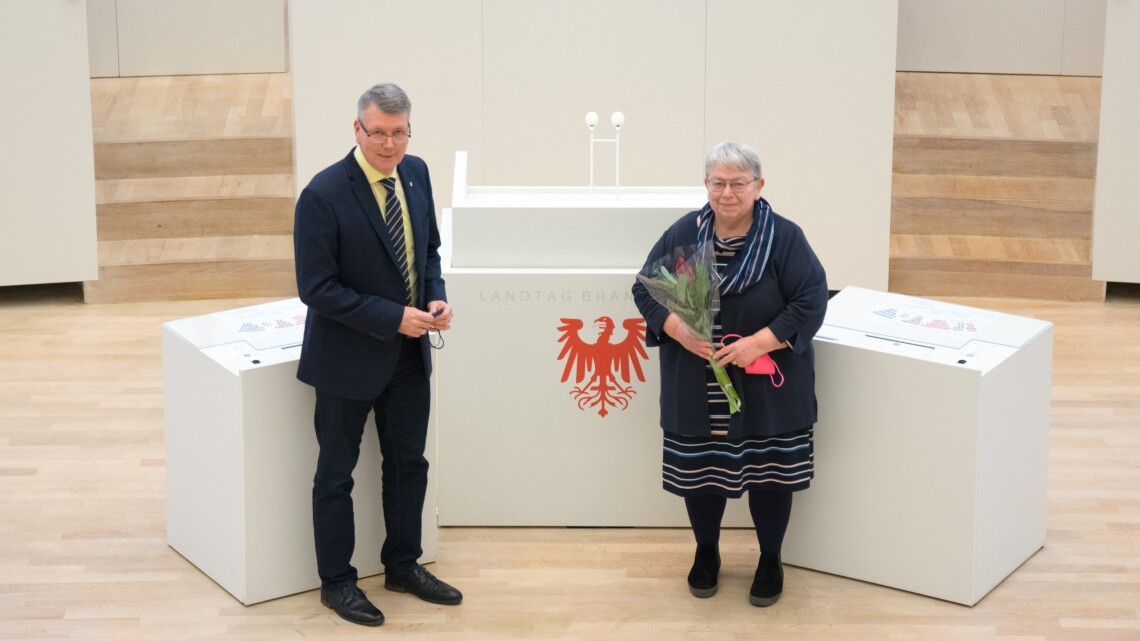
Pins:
x: 686, y: 283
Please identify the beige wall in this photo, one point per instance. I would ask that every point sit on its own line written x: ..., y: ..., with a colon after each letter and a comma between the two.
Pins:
x: 1116, y: 214
x: 103, y: 38
x: 811, y: 85
x: 47, y: 175
x: 1055, y: 37
x: 186, y: 37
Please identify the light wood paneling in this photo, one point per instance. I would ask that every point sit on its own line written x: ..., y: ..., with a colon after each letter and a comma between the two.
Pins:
x: 195, y: 188
x: 941, y: 278
x: 191, y: 218
x: 189, y: 250
x: 219, y: 157
x: 195, y: 278
x: 997, y: 106
x: 993, y: 186
x: 1066, y: 253
x: 128, y: 190
x: 994, y: 157
x: 1024, y: 219
x: 83, y: 552
x: 192, y: 107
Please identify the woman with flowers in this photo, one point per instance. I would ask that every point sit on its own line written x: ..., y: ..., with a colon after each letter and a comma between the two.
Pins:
x: 765, y: 285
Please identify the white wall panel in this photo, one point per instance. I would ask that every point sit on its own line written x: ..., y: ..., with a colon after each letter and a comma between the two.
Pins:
x: 811, y: 87
x: 47, y: 173
x: 103, y: 38
x: 1116, y: 215
x: 981, y: 36
x: 1084, y: 37
x: 431, y: 49
x: 548, y: 63
x: 185, y: 37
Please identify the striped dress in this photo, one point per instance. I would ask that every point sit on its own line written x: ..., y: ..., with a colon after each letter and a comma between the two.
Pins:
x: 693, y: 465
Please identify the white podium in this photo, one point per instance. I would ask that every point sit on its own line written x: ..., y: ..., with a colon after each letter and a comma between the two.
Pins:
x: 517, y: 445
x: 931, y: 446
x: 241, y: 454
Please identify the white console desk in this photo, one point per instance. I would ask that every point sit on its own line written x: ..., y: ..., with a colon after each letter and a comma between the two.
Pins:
x: 931, y: 446
x: 241, y: 454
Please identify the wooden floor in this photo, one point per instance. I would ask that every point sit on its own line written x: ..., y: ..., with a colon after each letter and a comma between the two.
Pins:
x: 83, y: 552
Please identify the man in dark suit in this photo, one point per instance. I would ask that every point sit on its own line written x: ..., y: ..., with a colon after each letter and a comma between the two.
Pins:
x: 367, y: 252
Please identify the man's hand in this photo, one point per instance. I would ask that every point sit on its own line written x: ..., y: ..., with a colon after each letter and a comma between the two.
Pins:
x: 416, y: 323
x: 441, y: 313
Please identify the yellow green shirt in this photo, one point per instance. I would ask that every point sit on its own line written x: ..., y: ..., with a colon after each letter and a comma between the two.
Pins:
x: 374, y: 177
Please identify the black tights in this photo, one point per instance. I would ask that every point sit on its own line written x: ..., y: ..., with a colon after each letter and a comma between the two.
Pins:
x: 770, y: 510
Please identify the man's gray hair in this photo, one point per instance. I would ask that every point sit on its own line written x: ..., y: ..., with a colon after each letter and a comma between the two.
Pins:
x: 387, y: 97
x: 735, y: 155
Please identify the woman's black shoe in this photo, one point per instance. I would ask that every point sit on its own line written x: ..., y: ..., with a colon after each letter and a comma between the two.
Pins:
x: 706, y: 566
x: 769, y: 581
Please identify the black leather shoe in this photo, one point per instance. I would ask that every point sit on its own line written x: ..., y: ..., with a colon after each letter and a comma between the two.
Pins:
x: 423, y: 584
x: 350, y: 604
x: 769, y: 581
x: 706, y: 567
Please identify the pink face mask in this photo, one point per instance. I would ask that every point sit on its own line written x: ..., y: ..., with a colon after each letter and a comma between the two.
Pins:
x: 763, y: 365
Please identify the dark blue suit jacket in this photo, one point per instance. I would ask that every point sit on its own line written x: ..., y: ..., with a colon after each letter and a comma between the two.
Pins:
x: 348, y: 277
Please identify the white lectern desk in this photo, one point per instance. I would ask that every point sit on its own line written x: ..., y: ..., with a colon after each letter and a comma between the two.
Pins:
x: 931, y: 446
x: 241, y: 454
x: 517, y: 445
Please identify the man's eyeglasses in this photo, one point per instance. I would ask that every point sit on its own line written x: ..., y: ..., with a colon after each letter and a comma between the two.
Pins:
x: 736, y: 185
x: 398, y: 137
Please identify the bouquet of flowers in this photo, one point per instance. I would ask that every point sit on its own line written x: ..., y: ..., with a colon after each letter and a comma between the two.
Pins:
x: 686, y: 283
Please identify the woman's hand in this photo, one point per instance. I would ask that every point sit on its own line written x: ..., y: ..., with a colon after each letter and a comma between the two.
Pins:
x: 743, y: 351
x: 680, y: 332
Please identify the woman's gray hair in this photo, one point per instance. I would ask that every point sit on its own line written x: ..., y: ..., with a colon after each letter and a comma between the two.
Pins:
x: 387, y: 97
x: 736, y: 155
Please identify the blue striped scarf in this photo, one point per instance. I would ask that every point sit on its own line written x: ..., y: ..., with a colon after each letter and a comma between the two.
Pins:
x: 753, y: 256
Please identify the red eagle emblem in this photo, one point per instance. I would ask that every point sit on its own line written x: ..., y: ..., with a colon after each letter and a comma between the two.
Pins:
x: 606, y: 362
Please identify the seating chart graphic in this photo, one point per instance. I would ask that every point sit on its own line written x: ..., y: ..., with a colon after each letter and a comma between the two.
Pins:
x: 268, y: 325
x: 271, y: 324
x: 933, y: 318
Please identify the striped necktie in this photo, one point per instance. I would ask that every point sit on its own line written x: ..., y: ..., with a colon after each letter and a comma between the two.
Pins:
x: 394, y: 221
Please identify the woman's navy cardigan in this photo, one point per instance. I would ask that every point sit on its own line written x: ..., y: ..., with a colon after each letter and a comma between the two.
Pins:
x: 790, y: 299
